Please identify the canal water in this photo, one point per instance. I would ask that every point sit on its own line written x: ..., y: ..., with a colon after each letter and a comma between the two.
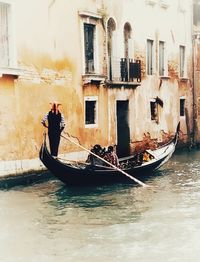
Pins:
x: 48, y: 222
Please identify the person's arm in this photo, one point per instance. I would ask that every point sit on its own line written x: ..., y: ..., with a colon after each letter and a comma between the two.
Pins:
x: 44, y: 120
x: 62, y: 123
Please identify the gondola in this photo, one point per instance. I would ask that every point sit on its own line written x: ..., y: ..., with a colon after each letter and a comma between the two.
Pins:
x: 84, y: 174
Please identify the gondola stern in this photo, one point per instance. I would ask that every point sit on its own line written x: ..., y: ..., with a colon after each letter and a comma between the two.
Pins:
x: 177, y: 133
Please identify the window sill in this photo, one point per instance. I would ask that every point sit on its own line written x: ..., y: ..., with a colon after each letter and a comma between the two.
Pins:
x: 91, y: 126
x: 93, y: 79
x: 183, y: 79
x: 164, y: 77
x: 122, y: 83
x: 8, y: 71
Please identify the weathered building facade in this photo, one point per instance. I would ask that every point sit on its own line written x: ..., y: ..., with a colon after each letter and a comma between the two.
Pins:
x: 196, y: 64
x: 122, y: 70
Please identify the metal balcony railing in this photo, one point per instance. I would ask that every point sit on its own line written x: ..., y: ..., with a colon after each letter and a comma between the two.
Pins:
x: 124, y: 70
x: 130, y: 70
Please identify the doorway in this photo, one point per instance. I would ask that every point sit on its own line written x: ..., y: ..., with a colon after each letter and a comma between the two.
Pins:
x: 123, y: 131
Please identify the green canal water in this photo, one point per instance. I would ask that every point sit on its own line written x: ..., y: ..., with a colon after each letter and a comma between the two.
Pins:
x: 48, y: 222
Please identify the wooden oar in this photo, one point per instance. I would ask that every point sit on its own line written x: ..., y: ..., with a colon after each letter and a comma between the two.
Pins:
x: 115, y: 167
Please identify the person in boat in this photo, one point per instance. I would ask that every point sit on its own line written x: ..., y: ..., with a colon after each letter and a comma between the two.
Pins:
x: 99, y: 152
x: 55, y: 122
x: 111, y: 156
x: 147, y: 156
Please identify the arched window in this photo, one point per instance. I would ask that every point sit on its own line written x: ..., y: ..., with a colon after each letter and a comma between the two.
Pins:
x: 127, y: 37
x: 111, y: 27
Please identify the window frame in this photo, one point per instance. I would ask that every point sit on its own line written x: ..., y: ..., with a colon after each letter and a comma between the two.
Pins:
x: 89, y: 46
x: 162, y: 63
x: 111, y: 29
x: 182, y: 106
x: 155, y: 117
x: 92, y: 19
x: 91, y: 99
x: 150, y: 57
x: 12, y: 61
x: 182, y: 61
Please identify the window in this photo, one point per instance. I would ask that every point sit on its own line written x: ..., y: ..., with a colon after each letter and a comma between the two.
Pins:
x: 111, y: 27
x: 149, y: 57
x: 91, y: 111
x: 182, y: 61
x: 162, y: 58
x: 89, y: 47
x: 90, y: 30
x: 182, y: 106
x: 154, y: 110
x: 127, y: 38
x: 196, y: 16
x: 4, y: 35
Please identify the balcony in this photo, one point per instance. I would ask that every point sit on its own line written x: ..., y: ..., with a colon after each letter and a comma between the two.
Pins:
x: 123, y: 71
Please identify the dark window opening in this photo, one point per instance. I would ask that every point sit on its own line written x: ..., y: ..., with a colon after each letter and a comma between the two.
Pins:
x: 182, y: 107
x: 154, y: 111
x: 90, y: 112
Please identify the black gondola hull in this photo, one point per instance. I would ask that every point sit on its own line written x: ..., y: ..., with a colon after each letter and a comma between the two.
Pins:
x: 98, y: 175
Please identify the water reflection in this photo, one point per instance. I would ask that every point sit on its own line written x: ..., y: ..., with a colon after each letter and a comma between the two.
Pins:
x: 90, y: 201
